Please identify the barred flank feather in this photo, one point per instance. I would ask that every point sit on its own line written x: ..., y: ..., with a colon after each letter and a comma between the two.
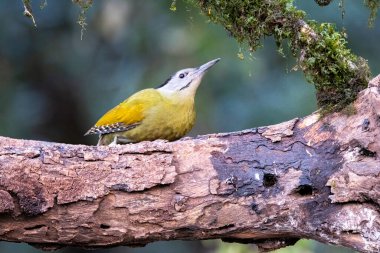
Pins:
x: 112, y: 128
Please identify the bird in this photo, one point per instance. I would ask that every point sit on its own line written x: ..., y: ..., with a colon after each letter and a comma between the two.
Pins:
x: 165, y: 112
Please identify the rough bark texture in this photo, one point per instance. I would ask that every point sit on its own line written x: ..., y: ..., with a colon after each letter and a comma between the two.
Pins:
x: 305, y: 178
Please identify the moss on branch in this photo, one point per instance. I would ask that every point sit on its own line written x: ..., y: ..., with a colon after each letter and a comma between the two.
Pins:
x: 373, y: 6
x: 338, y: 75
x: 84, y: 5
x: 322, y: 52
x: 28, y: 11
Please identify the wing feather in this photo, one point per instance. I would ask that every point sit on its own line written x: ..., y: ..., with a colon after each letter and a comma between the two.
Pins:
x: 128, y: 114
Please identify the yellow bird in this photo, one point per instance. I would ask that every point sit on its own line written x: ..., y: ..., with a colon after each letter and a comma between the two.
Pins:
x: 166, y: 112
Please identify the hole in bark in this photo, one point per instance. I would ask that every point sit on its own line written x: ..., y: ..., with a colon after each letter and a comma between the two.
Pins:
x: 365, y: 125
x: 120, y: 187
x: 187, y: 229
x: 255, y: 208
x: 366, y: 152
x: 232, y: 180
x: 104, y: 226
x: 34, y: 227
x: 304, y: 189
x: 269, y: 179
x: 226, y: 226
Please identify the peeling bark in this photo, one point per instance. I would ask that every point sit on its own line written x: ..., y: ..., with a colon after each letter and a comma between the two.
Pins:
x: 305, y: 178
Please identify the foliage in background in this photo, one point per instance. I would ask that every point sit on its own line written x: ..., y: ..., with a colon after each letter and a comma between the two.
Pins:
x: 83, y: 4
x: 336, y: 72
x: 302, y: 246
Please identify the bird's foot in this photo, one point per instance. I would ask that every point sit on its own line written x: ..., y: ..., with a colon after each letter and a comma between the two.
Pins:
x: 119, y: 140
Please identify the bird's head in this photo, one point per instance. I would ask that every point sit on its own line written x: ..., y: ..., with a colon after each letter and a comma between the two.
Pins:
x: 186, y: 80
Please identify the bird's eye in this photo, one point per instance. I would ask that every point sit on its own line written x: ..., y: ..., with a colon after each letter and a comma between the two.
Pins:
x: 182, y: 75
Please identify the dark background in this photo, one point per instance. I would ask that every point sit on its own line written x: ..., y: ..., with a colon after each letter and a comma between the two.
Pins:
x: 54, y: 86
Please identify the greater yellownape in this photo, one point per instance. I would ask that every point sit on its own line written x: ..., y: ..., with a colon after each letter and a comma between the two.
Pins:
x: 166, y: 112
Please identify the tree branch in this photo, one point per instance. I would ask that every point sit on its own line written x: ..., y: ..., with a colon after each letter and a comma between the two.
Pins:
x: 305, y: 178
x: 320, y: 50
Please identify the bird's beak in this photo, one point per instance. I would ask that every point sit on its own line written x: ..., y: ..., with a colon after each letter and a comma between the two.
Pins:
x: 202, y: 69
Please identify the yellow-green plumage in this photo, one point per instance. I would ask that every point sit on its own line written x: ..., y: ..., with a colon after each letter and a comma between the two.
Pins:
x: 166, y: 112
x: 158, y: 117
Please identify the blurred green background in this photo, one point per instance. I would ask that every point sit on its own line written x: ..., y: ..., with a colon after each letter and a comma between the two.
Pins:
x: 54, y: 86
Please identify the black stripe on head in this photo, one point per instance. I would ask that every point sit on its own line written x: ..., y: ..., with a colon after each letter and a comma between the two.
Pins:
x: 164, y: 83
x: 186, y: 86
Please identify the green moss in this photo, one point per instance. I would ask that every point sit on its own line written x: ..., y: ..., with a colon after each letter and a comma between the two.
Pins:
x: 349, y: 110
x: 338, y: 75
x: 322, y: 52
x: 373, y: 5
x: 251, y: 20
x: 84, y: 5
x: 173, y: 6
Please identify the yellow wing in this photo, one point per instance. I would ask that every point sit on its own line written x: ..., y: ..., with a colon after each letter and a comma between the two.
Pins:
x: 128, y: 114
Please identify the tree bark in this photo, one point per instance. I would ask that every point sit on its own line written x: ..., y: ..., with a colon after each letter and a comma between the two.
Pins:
x: 313, y: 177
